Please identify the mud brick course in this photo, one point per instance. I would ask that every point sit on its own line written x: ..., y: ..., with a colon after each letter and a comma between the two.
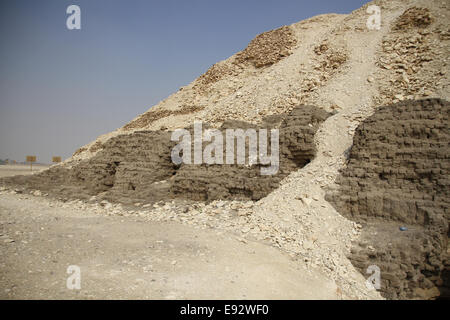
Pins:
x: 213, y: 182
x: 398, y: 174
x: 137, y: 167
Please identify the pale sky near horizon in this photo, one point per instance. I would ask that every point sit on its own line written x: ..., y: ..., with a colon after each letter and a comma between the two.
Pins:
x: 61, y: 89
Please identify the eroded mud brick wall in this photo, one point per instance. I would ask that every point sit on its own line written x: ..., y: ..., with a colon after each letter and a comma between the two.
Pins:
x: 399, y: 172
x: 128, y: 166
x: 399, y: 164
x: 125, y: 170
x: 137, y: 167
x: 296, y: 140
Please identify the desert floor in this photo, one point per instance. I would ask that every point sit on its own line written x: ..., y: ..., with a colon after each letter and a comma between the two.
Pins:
x: 127, y: 258
x: 19, y: 169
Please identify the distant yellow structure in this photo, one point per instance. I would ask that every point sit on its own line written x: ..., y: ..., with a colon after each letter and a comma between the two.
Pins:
x: 56, y: 159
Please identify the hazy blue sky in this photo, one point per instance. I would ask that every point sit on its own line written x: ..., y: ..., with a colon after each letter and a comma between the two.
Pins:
x: 60, y: 88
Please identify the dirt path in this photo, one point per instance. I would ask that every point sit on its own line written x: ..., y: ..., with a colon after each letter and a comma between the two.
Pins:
x: 124, y: 258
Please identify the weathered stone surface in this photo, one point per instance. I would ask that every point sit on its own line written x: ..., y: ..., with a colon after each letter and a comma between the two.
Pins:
x: 268, y: 48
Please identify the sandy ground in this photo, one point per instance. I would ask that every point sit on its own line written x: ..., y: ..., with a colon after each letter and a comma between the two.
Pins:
x: 20, y: 169
x: 125, y: 258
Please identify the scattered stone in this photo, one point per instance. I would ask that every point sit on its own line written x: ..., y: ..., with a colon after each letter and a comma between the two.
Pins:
x: 306, y: 201
x: 399, y: 97
x: 245, y: 229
